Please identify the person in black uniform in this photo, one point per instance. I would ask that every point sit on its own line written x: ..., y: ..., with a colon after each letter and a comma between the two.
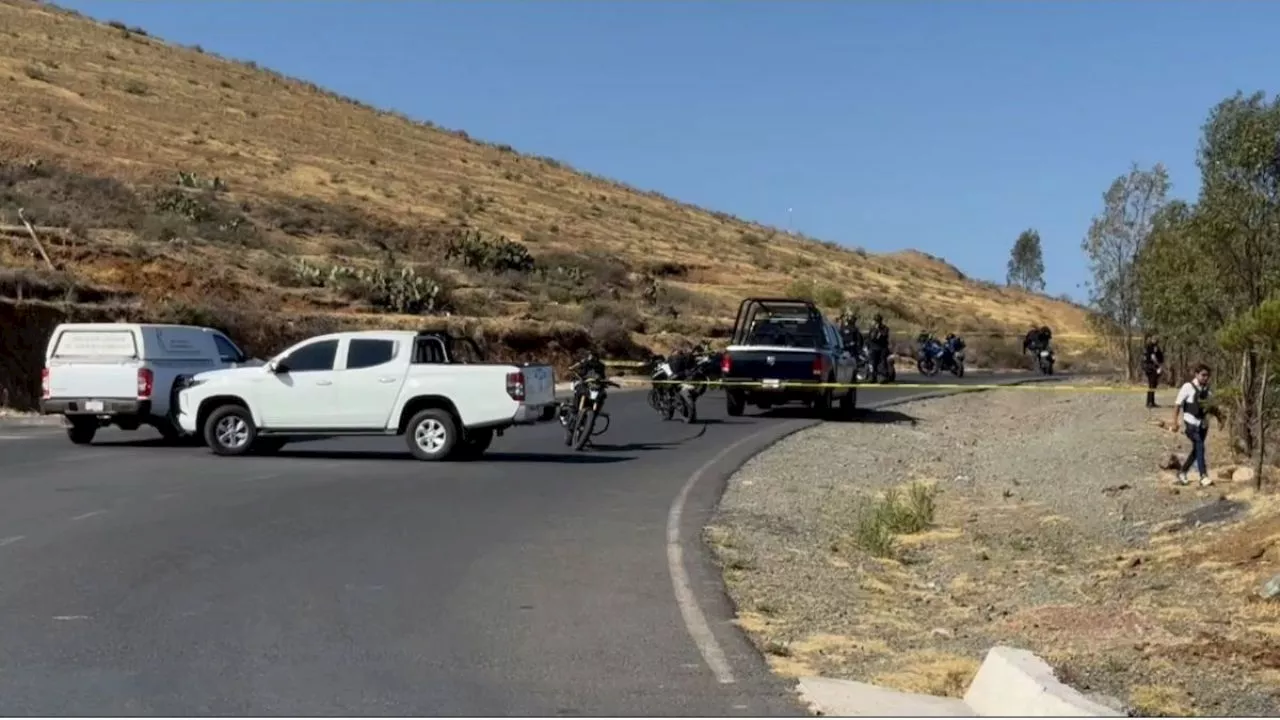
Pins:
x: 590, y: 366
x: 1152, y: 367
x: 878, y: 349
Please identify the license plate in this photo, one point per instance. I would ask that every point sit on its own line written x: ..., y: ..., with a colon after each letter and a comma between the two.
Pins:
x: 772, y: 384
x: 93, y: 406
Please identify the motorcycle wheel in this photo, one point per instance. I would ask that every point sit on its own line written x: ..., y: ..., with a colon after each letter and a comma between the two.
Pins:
x: 582, y: 429
x: 927, y: 367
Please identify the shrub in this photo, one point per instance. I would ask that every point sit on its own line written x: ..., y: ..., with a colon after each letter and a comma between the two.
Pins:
x: 492, y: 255
x: 895, y: 514
x: 829, y: 296
x: 801, y: 289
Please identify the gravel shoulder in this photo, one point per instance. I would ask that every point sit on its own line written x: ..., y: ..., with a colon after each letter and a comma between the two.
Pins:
x: 1053, y: 529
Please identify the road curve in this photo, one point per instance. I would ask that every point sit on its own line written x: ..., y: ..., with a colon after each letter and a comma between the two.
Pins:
x: 342, y: 578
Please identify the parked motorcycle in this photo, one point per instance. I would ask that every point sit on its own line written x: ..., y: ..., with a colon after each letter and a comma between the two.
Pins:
x: 580, y: 421
x: 662, y: 395
x: 1044, y: 361
x: 865, y: 373
x: 930, y: 356
x: 705, y: 367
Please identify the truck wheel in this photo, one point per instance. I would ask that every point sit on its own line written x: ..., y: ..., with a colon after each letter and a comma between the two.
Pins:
x: 229, y: 430
x: 81, y: 432
x: 734, y: 403
x: 432, y: 434
x: 822, y: 402
x: 474, y: 444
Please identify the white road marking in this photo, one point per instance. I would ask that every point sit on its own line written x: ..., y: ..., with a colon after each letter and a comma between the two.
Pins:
x: 694, y: 619
x: 70, y: 617
x: 87, y: 515
x: 257, y: 478
x: 11, y: 540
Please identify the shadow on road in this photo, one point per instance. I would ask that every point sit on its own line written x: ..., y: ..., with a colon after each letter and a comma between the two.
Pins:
x: 640, y: 446
x: 565, y: 458
x: 884, y: 417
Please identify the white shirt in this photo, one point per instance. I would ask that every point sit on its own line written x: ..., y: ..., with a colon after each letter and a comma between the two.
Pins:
x: 1186, y: 393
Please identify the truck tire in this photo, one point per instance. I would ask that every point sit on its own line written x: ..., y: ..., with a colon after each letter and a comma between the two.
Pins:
x: 734, y: 403
x: 81, y: 432
x: 432, y: 434
x: 229, y: 430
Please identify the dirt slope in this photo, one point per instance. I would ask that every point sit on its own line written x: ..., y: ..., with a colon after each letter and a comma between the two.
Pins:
x: 165, y: 174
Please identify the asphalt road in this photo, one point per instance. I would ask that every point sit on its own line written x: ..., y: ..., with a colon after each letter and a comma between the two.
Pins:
x: 343, y: 578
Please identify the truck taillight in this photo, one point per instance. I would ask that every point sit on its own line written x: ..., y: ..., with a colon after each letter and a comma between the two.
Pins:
x: 515, y: 385
x: 725, y: 364
x: 46, y: 390
x: 820, y: 366
x: 146, y: 383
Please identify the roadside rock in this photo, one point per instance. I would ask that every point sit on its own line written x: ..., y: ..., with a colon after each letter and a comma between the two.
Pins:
x: 1242, y: 475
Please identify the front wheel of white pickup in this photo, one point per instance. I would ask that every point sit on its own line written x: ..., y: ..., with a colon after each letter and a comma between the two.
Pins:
x: 229, y: 430
x: 432, y: 434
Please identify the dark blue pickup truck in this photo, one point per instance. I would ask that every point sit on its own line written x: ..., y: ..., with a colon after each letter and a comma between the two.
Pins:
x: 782, y: 351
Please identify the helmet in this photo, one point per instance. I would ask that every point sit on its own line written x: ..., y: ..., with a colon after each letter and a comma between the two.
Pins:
x: 951, y: 336
x: 879, y: 318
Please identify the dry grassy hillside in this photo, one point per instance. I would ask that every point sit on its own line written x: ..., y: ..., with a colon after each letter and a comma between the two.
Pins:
x: 164, y: 177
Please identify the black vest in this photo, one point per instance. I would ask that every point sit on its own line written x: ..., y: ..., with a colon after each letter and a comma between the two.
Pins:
x: 1195, y: 406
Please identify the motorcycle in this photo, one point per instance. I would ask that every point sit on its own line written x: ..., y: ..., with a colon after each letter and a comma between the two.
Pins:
x: 662, y: 395
x: 931, y: 356
x: 865, y: 373
x: 1044, y: 361
x: 580, y: 422
x: 700, y: 377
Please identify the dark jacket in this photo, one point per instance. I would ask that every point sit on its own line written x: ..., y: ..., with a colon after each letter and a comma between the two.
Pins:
x: 588, y: 367
x: 879, y: 336
x: 1152, y: 357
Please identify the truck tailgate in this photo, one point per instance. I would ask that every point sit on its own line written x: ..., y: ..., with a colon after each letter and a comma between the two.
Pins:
x: 794, y: 364
x: 94, y: 364
x: 539, y: 384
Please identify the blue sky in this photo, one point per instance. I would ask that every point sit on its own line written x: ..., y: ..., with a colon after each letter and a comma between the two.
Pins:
x: 947, y: 127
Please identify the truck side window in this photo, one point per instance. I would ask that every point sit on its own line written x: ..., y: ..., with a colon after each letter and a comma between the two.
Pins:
x: 366, y: 353
x: 316, y: 356
x: 226, y: 350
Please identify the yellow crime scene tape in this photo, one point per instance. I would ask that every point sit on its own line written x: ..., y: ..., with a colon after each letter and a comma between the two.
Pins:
x: 1038, y: 385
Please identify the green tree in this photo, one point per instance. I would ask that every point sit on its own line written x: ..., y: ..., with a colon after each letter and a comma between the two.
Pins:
x: 1238, y: 220
x: 1209, y: 265
x: 1026, y: 262
x: 1114, y: 243
x: 1257, y: 333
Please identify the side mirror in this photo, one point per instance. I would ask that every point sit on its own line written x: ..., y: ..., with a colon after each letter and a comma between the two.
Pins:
x: 276, y: 367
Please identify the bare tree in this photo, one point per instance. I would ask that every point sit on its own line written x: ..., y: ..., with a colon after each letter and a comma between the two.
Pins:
x: 1114, y: 242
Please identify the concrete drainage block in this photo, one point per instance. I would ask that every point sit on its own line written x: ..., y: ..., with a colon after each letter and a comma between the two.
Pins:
x: 1010, y: 683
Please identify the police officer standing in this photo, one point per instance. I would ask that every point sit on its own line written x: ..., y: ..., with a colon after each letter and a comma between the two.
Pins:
x: 1152, y: 367
x: 878, y: 349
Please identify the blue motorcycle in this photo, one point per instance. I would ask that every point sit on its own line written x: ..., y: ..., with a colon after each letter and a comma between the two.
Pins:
x: 931, y: 356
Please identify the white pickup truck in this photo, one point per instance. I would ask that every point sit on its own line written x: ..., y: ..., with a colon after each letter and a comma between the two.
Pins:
x: 415, y: 384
